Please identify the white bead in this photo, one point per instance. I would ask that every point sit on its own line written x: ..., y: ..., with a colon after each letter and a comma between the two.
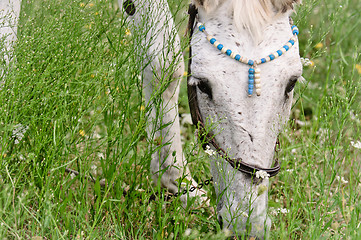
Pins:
x: 258, y: 61
x: 245, y: 60
x: 257, y: 76
x: 276, y: 54
x: 216, y: 43
x: 224, y: 50
x: 289, y: 44
x: 267, y: 59
x: 233, y: 55
x: 258, y: 91
x: 209, y: 37
x: 294, y: 38
x: 257, y: 70
x: 257, y: 80
x: 258, y: 85
x: 283, y: 50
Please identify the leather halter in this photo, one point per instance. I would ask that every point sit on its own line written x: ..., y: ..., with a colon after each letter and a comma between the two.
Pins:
x: 197, y: 119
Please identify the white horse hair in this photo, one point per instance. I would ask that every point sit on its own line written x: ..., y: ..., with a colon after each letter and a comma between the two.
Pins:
x: 246, y: 126
x: 9, y: 13
x: 252, y: 15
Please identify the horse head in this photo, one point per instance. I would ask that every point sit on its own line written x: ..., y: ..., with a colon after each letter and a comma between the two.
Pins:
x: 245, y: 62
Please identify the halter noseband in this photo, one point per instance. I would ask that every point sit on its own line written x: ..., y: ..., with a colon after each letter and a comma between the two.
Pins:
x: 197, y: 119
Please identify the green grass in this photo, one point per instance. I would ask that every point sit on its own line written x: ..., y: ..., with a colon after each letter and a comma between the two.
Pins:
x: 73, y: 98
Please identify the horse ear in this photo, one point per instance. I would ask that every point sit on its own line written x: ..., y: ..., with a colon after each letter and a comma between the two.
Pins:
x: 284, y: 5
x: 207, y: 5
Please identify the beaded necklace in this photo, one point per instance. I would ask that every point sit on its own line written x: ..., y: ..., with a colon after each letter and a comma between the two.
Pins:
x: 254, y: 73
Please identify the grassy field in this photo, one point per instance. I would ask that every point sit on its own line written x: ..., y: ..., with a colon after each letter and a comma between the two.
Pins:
x: 73, y: 98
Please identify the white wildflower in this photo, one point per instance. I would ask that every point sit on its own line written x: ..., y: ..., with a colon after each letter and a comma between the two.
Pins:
x: 244, y: 214
x: 276, y: 211
x: 306, y: 62
x: 187, y: 232
x: 356, y: 144
x: 262, y: 174
x: 341, y: 180
x: 72, y: 175
x: 94, y: 169
x: 283, y: 210
x: 19, y: 132
x: 209, y: 151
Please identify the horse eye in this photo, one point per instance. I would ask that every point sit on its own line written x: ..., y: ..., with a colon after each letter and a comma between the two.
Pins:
x: 291, y: 84
x: 205, y: 87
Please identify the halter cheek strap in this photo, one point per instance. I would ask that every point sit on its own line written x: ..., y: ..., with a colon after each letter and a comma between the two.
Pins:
x: 236, y: 163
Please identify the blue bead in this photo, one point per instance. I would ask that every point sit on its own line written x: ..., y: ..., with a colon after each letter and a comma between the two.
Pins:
x: 250, y: 62
x: 250, y: 86
x: 202, y: 28
x: 286, y: 47
x: 272, y: 56
x: 228, y: 52
x: 237, y: 57
x: 251, y: 81
x: 293, y: 26
x: 292, y: 42
x: 250, y: 91
x: 212, y: 41
x: 279, y: 52
x: 220, y: 46
x: 251, y: 71
x: 263, y: 60
x: 295, y: 32
x: 250, y: 76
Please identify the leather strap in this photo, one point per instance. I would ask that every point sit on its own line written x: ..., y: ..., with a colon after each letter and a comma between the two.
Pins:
x: 236, y: 163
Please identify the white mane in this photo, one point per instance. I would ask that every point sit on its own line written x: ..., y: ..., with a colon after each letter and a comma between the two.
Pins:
x: 252, y: 15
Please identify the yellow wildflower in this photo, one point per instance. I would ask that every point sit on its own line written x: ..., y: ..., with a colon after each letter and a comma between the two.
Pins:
x: 185, y: 74
x: 82, y: 4
x: 358, y: 68
x: 319, y: 45
x: 92, y: 75
x: 82, y: 132
x: 127, y: 32
x: 124, y: 42
x: 91, y: 5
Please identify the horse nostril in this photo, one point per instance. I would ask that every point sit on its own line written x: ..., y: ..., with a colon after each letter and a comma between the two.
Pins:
x: 220, y: 221
x: 129, y: 7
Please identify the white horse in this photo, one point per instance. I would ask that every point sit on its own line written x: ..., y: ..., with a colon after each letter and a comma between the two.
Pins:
x: 243, y: 128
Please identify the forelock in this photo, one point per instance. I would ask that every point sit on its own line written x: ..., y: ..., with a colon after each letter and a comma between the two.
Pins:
x: 252, y: 15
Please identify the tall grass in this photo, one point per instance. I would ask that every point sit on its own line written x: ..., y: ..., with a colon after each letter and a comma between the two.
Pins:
x: 73, y: 98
